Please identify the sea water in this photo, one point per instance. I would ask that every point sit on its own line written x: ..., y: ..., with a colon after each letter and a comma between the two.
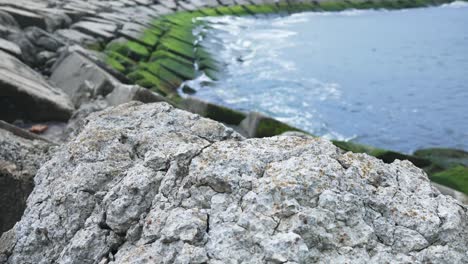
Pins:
x: 390, y: 79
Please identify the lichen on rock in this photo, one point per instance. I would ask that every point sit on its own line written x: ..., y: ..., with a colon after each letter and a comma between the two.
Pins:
x: 153, y: 184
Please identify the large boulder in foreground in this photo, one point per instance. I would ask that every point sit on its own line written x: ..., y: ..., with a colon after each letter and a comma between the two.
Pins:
x: 153, y: 184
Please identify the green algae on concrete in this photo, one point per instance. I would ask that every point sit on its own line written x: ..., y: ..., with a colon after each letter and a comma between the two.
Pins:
x: 268, y: 127
x: 213, y: 111
x: 455, y: 177
x: 444, y: 158
x: 224, y: 114
x: 386, y: 156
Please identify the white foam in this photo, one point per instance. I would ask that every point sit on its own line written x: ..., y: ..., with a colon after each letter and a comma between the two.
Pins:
x: 456, y: 4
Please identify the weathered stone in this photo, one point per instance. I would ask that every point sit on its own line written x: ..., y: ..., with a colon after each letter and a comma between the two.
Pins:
x: 126, y: 93
x: 85, y: 81
x: 20, y: 158
x: 7, y: 20
x: 26, y: 95
x: 34, y: 40
x: 43, y: 39
x: 76, y: 36
x: 161, y: 10
x: 152, y: 184
x: 28, y: 49
x: 78, y: 119
x: 55, y: 18
x: 463, y: 198
x: 80, y: 78
x: 25, y: 18
x: 169, y: 3
x: 187, y: 6
x: 10, y: 47
x: 98, y: 30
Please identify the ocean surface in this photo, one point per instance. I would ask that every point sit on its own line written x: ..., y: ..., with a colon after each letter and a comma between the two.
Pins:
x: 390, y: 79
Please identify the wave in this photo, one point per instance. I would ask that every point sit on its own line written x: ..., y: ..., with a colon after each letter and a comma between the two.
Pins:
x: 456, y: 4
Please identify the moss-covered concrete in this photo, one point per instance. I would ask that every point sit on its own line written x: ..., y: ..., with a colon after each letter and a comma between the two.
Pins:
x: 455, y: 177
x: 445, y: 166
x: 268, y: 127
x: 387, y: 156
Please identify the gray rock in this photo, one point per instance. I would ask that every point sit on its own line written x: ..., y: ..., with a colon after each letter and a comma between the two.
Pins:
x: 8, y: 24
x: 78, y: 119
x: 153, y: 184
x: 161, y: 10
x: 81, y: 79
x: 126, y: 93
x: 6, y: 31
x: 25, y: 18
x: 43, y: 40
x: 76, y: 36
x: 463, y: 198
x: 95, y: 29
x: 20, y: 158
x: 10, y: 47
x: 85, y: 81
x: 26, y: 95
x: 28, y: 49
x: 32, y: 41
x: 55, y: 18
x: 171, y: 4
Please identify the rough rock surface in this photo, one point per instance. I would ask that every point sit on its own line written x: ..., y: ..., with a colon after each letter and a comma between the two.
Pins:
x: 152, y: 184
x: 20, y: 158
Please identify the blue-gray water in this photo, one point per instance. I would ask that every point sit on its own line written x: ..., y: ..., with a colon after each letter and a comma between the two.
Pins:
x: 391, y: 79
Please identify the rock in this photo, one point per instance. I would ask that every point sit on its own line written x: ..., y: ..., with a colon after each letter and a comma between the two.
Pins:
x: 78, y: 119
x: 161, y: 10
x: 7, y: 20
x: 126, y: 93
x: 10, y: 47
x: 80, y: 78
x: 19, y: 160
x: 28, y: 49
x: 153, y: 184
x: 95, y: 29
x: 76, y: 36
x: 55, y: 18
x: 33, y: 41
x: 43, y: 40
x: 25, y: 18
x: 8, y: 24
x: 463, y: 198
x: 85, y: 81
x: 26, y: 95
